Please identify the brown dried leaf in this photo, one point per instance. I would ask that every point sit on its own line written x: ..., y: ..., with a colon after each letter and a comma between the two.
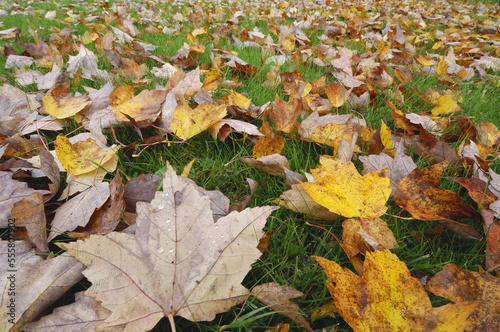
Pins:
x: 106, y: 218
x: 50, y: 168
x: 53, y: 277
x: 278, y: 298
x: 12, y: 192
x: 83, y: 315
x: 285, y: 113
x: 178, y: 263
x: 78, y: 210
x: 420, y: 193
x: 355, y: 245
x: 30, y: 213
x: 140, y: 189
x: 463, y: 287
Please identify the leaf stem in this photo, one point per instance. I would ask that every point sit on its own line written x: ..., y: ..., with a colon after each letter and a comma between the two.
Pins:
x: 395, y: 216
x: 326, y: 230
x: 171, y: 321
x: 364, y: 224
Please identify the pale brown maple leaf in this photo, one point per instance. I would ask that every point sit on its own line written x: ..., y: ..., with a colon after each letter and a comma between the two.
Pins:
x: 178, y: 263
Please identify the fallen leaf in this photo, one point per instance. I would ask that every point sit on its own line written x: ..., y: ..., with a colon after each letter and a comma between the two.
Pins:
x: 492, y: 230
x: 298, y: 200
x: 30, y: 214
x: 355, y: 245
x: 285, y: 113
x: 64, y: 107
x: 143, y: 108
x: 84, y: 314
x: 274, y: 164
x: 337, y: 93
x: 420, y: 193
x: 340, y: 188
x: 50, y: 168
x: 478, y: 191
x: 81, y: 157
x: 445, y: 105
x: 277, y: 297
x: 429, y: 147
x: 222, y: 128
x: 387, y: 298
x: 140, y: 189
x: 188, y: 122
x: 188, y: 86
x: 53, y: 277
x: 332, y: 134
x: 399, y: 166
x: 12, y: 192
x: 78, y: 210
x: 462, y: 287
x: 159, y: 271
x: 105, y: 218
x: 268, y: 145
x: 314, y: 120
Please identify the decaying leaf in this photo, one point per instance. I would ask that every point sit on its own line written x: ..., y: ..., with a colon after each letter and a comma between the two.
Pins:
x: 420, y: 194
x: 30, y: 213
x: 356, y: 246
x: 387, y: 298
x: 78, y: 210
x: 278, y: 298
x: 52, y: 277
x: 84, y: 314
x: 468, y: 287
x: 140, y: 189
x: 178, y: 263
x: 340, y: 188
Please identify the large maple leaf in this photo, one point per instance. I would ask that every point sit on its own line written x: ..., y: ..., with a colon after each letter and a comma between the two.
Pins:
x: 178, y: 263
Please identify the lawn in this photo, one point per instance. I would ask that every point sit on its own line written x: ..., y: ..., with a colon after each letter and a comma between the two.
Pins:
x: 374, y: 128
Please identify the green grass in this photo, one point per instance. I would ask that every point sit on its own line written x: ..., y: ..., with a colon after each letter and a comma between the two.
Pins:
x: 288, y: 258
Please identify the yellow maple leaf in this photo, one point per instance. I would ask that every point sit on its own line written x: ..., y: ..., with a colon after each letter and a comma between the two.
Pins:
x: 341, y: 189
x: 387, y: 298
x: 66, y: 106
x: 143, y: 108
x: 188, y: 122
x: 239, y: 100
x: 81, y: 157
x: 212, y: 79
x: 385, y: 136
x: 445, y: 105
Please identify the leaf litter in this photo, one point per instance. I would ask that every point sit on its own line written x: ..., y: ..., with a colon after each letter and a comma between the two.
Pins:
x: 183, y: 250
